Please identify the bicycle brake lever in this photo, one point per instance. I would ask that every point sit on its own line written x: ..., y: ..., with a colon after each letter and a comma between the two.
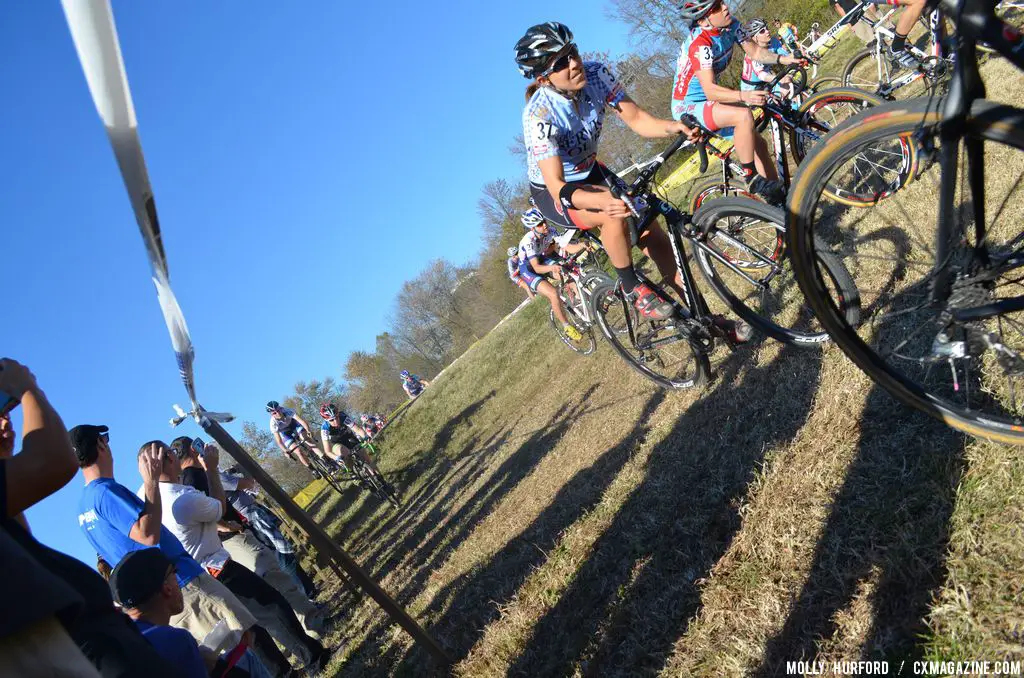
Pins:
x: 702, y: 145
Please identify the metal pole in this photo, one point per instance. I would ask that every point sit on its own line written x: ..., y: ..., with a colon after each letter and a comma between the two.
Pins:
x: 322, y: 542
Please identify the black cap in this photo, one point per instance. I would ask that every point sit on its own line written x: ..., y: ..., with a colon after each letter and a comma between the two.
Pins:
x: 138, y: 577
x: 181, y: 446
x: 83, y: 439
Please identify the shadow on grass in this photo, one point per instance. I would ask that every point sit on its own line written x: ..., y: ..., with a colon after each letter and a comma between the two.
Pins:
x: 468, y: 603
x: 632, y: 599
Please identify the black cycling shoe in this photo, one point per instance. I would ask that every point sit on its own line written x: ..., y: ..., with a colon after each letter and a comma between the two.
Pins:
x: 773, y: 192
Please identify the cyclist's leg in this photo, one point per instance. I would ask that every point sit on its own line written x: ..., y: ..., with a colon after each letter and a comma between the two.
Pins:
x: 654, y: 243
x: 546, y: 289
x: 344, y: 454
x: 295, y: 451
x: 912, y: 11
x: 750, y: 146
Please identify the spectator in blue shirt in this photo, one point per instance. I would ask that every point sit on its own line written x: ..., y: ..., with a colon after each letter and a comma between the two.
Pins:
x: 145, y: 586
x: 116, y: 522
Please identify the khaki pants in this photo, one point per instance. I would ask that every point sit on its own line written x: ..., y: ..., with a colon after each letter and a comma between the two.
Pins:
x: 43, y: 649
x: 250, y: 553
x: 207, y: 602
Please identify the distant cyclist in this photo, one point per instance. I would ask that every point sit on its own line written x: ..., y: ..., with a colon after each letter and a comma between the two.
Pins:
x: 412, y: 384
x: 287, y: 427
x: 705, y: 53
x: 756, y: 74
x: 341, y: 436
x: 538, y: 257
x: 513, y: 271
x: 787, y: 34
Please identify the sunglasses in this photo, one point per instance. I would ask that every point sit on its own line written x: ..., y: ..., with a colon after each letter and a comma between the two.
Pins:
x: 562, y: 62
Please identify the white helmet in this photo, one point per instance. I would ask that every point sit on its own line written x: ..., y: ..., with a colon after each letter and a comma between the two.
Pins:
x: 511, y: 251
x: 532, y: 218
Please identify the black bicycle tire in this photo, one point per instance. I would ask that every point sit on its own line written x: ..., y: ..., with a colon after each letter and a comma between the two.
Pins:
x: 988, y: 120
x: 815, y: 86
x: 813, y: 103
x: 702, y: 366
x: 701, y: 191
x: 841, y: 278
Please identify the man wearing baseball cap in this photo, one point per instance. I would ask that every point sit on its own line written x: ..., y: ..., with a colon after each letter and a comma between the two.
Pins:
x: 145, y: 586
x: 116, y: 523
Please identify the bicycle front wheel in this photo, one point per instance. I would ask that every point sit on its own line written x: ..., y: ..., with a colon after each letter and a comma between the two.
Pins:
x: 659, y: 350
x: 713, y: 188
x: 743, y: 259
x: 586, y: 344
x: 866, y: 71
x: 958, y: 354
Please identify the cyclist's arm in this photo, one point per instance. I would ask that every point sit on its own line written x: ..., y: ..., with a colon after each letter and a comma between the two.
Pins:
x: 588, y: 197
x: 574, y: 248
x: 280, y: 442
x: 716, y: 92
x: 762, y: 54
x: 302, y: 422
x: 357, y: 431
x: 645, y: 124
x: 538, y: 267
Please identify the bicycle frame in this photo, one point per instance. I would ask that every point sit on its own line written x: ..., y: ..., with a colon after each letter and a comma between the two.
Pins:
x: 976, y: 22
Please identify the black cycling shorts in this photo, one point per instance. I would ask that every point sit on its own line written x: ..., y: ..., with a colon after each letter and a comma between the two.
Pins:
x: 552, y: 210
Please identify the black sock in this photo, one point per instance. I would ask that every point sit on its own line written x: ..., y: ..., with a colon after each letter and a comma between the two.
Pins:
x: 899, y: 42
x: 749, y: 170
x: 628, y: 277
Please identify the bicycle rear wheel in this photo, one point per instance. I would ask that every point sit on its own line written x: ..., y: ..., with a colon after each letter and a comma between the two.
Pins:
x: 866, y: 71
x: 966, y: 372
x: 659, y: 350
x: 743, y: 259
x: 316, y: 462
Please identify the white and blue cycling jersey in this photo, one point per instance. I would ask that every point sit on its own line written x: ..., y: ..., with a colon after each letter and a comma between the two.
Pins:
x: 554, y: 126
x: 413, y: 385
x: 287, y: 425
x: 533, y: 244
x: 704, y: 49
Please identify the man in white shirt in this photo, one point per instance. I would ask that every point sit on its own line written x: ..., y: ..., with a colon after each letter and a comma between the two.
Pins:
x: 192, y: 517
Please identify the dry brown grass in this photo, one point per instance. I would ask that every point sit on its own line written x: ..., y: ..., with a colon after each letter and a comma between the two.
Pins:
x: 562, y: 517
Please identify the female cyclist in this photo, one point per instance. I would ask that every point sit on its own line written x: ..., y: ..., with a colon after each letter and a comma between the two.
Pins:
x: 565, y: 107
x: 755, y: 73
x: 704, y: 55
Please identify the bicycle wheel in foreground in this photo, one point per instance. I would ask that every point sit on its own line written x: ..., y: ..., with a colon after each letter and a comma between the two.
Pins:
x: 743, y: 259
x: 657, y: 349
x: 965, y: 370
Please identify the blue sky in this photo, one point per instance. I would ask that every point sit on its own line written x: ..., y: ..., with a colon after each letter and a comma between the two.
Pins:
x: 307, y: 158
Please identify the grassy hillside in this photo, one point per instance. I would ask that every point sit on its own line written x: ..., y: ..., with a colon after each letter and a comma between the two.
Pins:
x: 562, y: 517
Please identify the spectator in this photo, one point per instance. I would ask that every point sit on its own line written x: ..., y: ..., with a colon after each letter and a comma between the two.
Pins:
x: 58, y: 617
x: 146, y: 588
x: 193, y: 517
x: 244, y: 549
x: 265, y: 525
x: 116, y: 522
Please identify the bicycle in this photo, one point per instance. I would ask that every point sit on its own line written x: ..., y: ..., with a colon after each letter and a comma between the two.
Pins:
x: 574, y: 289
x: 942, y: 331
x: 720, y: 233
x: 798, y: 129
x: 320, y: 464
x: 361, y: 474
x: 871, y: 69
